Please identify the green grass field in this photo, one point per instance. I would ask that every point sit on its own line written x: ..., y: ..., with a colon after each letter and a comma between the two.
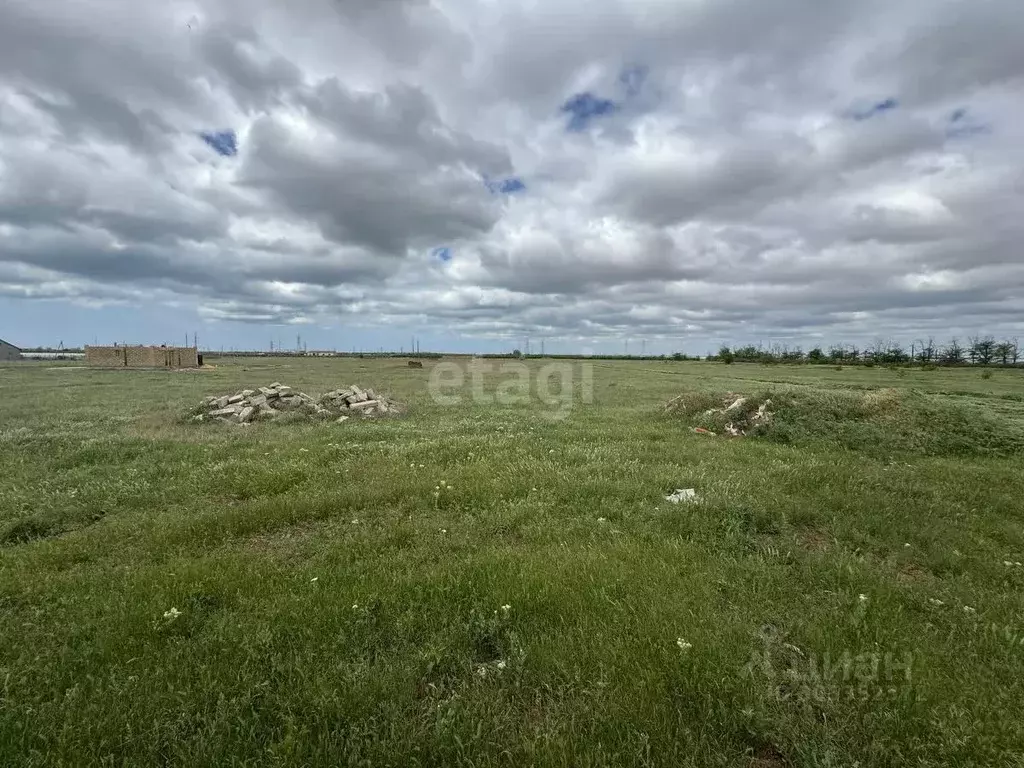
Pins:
x: 847, y: 591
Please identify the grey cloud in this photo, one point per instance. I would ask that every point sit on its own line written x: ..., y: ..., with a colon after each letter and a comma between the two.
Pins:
x: 254, y: 75
x: 368, y: 197
x: 731, y: 198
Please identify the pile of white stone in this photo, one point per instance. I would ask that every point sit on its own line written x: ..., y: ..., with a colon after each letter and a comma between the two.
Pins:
x: 267, y: 403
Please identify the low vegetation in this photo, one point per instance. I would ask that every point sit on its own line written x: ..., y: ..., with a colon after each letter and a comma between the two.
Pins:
x: 478, y: 584
x: 878, y: 423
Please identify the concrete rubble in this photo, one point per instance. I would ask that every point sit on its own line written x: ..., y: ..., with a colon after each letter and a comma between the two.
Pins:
x: 737, y: 416
x: 268, y: 403
x: 688, y: 495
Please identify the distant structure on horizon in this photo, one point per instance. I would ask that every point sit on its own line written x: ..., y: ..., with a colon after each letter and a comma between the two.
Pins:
x: 9, y: 352
x: 139, y: 356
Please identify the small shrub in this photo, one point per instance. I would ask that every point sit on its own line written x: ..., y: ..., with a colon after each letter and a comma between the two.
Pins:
x: 986, y: 374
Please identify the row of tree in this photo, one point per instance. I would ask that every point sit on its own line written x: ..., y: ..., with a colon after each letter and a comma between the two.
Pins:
x: 978, y: 350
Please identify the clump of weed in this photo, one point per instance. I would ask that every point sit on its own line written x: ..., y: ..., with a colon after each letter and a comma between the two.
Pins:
x: 986, y: 375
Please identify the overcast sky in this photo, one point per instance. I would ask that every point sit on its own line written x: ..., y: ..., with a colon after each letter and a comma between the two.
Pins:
x: 480, y: 172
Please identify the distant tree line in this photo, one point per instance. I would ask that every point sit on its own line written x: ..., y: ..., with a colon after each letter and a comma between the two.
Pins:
x: 976, y: 350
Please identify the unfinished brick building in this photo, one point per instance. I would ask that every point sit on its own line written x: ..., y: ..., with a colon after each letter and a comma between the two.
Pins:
x: 142, y: 357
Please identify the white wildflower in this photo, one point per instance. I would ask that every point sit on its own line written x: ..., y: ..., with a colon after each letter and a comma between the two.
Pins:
x: 314, y: 580
x: 444, y: 530
x: 935, y: 601
x: 506, y: 608
x: 501, y: 664
x: 863, y: 598
x: 601, y: 520
x: 172, y: 614
x: 1008, y: 563
x: 968, y: 609
x: 683, y: 644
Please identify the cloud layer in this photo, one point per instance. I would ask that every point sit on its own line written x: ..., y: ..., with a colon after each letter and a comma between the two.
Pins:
x: 731, y: 170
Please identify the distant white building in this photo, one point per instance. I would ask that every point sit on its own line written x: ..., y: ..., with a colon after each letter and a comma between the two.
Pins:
x: 61, y: 355
x: 8, y: 352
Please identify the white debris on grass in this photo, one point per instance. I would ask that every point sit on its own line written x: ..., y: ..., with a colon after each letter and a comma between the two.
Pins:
x: 682, y: 494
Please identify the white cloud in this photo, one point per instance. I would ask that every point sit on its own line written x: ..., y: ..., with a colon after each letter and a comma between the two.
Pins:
x: 769, y: 169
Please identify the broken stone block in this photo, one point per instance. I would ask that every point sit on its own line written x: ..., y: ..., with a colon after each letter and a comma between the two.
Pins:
x: 246, y: 414
x: 258, y: 401
x: 736, y: 405
x: 682, y: 494
x: 341, y: 419
x: 248, y: 392
x: 223, y: 412
x: 363, y: 405
x: 222, y: 402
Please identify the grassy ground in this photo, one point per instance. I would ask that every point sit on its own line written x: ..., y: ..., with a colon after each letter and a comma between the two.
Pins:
x: 846, y: 592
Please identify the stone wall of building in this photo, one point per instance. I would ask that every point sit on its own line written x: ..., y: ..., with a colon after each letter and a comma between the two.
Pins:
x: 142, y: 357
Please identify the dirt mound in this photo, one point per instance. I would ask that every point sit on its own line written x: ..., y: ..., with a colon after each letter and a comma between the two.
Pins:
x: 730, y: 415
x: 883, y: 423
x: 267, y: 403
